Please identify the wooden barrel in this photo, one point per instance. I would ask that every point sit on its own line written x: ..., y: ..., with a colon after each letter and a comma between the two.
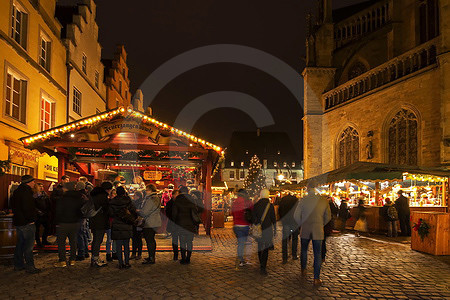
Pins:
x: 7, y: 237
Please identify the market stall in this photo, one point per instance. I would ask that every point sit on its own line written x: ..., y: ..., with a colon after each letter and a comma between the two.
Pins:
x: 132, y: 148
x: 426, y: 188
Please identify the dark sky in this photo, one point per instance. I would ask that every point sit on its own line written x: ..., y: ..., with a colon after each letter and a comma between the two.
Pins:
x: 155, y: 31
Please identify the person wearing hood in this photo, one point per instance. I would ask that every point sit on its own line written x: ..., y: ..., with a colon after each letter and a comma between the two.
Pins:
x: 68, y: 216
x: 151, y: 213
x: 183, y: 211
x: 100, y: 222
x: 264, y: 214
x: 123, y: 214
x: 241, y: 210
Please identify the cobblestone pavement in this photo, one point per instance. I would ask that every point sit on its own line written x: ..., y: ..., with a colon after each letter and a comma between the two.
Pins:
x: 356, y: 268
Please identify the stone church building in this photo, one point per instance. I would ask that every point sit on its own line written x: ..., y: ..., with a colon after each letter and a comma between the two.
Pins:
x: 377, y: 85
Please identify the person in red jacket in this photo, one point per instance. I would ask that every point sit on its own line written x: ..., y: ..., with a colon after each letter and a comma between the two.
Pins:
x: 241, y: 210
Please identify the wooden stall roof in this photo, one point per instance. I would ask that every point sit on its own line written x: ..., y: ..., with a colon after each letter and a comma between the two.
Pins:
x: 369, y: 171
x: 121, y: 129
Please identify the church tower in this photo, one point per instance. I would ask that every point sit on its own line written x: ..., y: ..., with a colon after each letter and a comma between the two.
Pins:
x: 318, y: 77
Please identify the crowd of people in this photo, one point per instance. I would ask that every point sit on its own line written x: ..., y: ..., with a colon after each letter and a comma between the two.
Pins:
x: 84, y: 214
x: 312, y: 218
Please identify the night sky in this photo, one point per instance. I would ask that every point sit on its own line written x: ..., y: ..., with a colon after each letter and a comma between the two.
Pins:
x: 155, y: 31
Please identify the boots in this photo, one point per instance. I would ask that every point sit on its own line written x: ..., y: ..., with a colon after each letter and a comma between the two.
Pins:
x: 108, y: 257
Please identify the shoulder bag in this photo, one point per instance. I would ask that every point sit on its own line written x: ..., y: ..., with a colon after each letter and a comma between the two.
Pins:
x: 256, y: 229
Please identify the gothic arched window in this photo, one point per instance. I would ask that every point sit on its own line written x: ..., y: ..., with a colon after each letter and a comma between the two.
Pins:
x: 403, y: 138
x: 356, y: 69
x: 348, y: 147
x: 428, y: 19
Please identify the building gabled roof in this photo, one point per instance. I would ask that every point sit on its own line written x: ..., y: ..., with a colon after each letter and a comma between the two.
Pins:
x: 348, y: 11
x: 266, y: 146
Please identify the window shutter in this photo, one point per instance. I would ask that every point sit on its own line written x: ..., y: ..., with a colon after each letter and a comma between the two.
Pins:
x: 49, y: 56
x: 24, y: 30
x: 23, y: 102
x: 53, y: 114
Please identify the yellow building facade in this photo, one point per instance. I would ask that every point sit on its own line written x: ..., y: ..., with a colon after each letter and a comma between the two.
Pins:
x: 33, y: 82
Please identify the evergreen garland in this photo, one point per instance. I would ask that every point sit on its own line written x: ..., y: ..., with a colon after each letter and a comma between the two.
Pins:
x: 255, y: 180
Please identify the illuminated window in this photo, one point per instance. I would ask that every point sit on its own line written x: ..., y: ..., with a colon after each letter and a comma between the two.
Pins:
x: 242, y: 175
x: 232, y: 164
x: 242, y: 163
x: 231, y: 174
x: 47, y: 113
x: 293, y: 164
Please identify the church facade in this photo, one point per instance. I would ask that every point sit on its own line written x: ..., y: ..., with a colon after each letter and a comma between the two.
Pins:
x: 377, y: 85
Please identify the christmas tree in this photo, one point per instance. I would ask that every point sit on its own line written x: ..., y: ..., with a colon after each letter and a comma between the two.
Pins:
x: 255, y: 180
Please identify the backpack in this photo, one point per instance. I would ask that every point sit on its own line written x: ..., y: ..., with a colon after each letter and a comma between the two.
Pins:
x: 88, y: 209
x: 392, y: 213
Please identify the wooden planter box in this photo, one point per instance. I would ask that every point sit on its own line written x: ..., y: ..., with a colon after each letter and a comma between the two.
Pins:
x: 437, y: 241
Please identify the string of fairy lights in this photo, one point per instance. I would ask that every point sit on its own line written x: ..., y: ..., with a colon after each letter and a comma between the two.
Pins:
x: 127, y: 112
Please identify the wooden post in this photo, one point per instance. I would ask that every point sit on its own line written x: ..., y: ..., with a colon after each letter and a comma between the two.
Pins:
x: 208, y: 193
x: 61, y: 165
x: 377, y: 193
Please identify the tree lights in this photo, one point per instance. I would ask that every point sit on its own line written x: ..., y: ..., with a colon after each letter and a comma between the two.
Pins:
x: 255, y: 181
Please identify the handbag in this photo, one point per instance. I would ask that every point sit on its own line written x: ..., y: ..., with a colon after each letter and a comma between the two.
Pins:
x: 361, y: 226
x: 256, y: 229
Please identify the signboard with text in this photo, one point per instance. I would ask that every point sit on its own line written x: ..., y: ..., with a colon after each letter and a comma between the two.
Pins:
x: 128, y: 126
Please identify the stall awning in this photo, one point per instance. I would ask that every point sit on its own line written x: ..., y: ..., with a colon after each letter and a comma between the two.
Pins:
x: 369, y: 171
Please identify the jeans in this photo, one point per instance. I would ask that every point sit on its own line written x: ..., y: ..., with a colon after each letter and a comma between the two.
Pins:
x: 263, y: 253
x: 186, y: 239
x: 241, y: 233
x: 126, y: 251
x: 137, y: 241
x: 405, y: 225
x: 83, y: 239
x: 175, y: 243
x: 23, y: 254
x: 64, y: 231
x: 46, y: 225
x: 97, y: 239
x: 149, y: 236
x: 392, y: 228
x: 317, y: 247
x: 289, y: 231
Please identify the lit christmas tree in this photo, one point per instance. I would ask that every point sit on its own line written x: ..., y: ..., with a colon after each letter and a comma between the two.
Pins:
x: 255, y: 180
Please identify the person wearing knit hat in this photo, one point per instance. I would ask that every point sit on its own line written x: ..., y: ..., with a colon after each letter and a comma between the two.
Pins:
x: 264, y: 214
x: 25, y: 214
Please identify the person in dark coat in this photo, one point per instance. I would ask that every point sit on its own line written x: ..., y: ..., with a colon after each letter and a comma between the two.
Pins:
x: 123, y: 214
x: 402, y: 206
x: 391, y: 221
x: 343, y: 215
x: 83, y: 232
x: 68, y: 215
x: 100, y: 222
x: 57, y: 192
x: 171, y: 226
x: 25, y: 214
x: 43, y: 206
x: 269, y: 228
x: 286, y: 209
x: 182, y: 213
